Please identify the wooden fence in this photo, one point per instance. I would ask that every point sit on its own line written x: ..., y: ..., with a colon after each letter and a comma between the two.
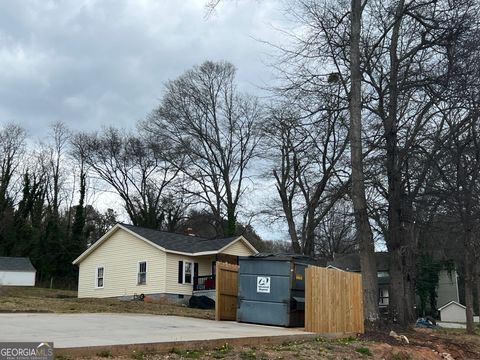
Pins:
x: 226, y: 283
x: 333, y: 301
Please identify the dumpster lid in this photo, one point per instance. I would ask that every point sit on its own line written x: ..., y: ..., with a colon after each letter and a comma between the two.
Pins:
x: 299, y: 299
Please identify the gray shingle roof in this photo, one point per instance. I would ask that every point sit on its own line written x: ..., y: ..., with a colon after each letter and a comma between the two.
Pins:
x: 15, y: 264
x: 180, y: 242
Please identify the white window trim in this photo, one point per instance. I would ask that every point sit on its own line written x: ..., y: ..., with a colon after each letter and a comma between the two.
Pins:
x: 191, y: 274
x: 96, y: 277
x: 138, y: 271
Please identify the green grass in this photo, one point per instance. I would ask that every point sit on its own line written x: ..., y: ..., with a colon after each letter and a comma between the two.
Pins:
x: 104, y: 354
x: 347, y: 341
x: 248, y: 355
x: 364, y: 351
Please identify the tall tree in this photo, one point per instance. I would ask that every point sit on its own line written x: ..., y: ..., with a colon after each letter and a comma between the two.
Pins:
x: 364, y: 231
x: 459, y: 166
x: 12, y: 145
x: 215, y: 127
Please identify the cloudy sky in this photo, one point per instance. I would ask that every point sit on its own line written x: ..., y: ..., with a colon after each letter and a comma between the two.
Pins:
x: 92, y: 63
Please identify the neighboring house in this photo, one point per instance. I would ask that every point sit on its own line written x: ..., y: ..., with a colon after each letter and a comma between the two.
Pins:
x: 17, y: 271
x: 447, y: 289
x: 454, y: 312
x: 130, y: 260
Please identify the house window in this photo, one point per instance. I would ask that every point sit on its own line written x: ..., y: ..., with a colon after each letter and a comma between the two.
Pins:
x: 142, y: 273
x: 383, y: 298
x: 187, y: 272
x: 99, y: 277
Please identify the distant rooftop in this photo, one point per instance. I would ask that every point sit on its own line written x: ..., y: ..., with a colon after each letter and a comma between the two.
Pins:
x: 16, y: 264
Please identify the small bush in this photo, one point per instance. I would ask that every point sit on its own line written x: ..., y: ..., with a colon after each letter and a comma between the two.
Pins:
x: 248, y: 355
x: 364, y: 351
x: 104, y: 354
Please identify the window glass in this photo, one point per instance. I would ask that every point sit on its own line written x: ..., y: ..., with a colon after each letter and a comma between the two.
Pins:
x: 100, y: 272
x: 188, y: 268
x: 142, y: 273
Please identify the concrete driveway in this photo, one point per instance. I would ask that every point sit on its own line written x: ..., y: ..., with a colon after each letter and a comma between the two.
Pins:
x: 82, y: 330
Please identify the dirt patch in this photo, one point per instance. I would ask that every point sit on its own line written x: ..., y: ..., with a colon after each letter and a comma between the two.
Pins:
x: 428, y: 344
x: 423, y: 346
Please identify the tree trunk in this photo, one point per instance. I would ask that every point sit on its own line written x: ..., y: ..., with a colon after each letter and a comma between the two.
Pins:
x: 364, y: 231
x: 231, y: 222
x: 469, y: 294
x: 409, y: 241
x: 309, y: 245
x: 398, y: 244
x: 478, y: 287
x: 469, y: 287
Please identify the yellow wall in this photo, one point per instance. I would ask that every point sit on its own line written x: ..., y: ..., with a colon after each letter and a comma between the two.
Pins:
x: 205, y: 265
x: 119, y: 255
x: 238, y: 249
x: 204, y: 268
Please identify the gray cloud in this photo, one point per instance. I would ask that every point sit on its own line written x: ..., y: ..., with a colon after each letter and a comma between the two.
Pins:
x: 93, y: 63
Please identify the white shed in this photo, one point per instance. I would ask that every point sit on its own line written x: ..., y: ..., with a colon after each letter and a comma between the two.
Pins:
x: 453, y: 312
x: 17, y: 271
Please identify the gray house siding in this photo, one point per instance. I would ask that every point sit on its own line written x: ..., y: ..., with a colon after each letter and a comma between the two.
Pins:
x: 447, y: 289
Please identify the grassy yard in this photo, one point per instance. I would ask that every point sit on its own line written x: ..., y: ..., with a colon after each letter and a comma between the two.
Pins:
x: 28, y: 299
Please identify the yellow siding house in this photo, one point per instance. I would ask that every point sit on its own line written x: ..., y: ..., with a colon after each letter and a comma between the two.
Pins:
x: 129, y: 261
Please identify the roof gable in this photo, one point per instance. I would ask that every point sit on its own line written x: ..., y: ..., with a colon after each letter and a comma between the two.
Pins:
x: 16, y: 264
x: 452, y: 303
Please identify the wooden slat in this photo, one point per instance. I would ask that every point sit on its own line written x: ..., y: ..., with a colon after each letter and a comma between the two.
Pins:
x: 333, y: 301
x: 226, y: 285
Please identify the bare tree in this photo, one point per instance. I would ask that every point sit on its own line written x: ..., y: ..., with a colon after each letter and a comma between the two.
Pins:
x: 319, y: 60
x: 55, y: 155
x: 336, y: 233
x: 404, y: 65
x: 12, y: 146
x: 404, y: 97
x: 460, y: 188
x: 306, y: 148
x: 459, y: 165
x: 138, y: 169
x: 216, y: 128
